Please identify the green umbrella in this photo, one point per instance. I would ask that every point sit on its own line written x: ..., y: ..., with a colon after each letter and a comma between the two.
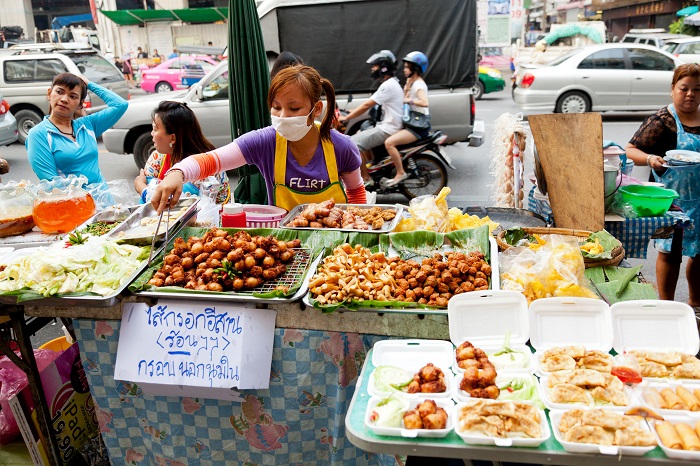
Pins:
x: 249, y: 81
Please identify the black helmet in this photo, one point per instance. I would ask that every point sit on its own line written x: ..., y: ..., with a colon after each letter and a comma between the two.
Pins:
x: 386, y: 62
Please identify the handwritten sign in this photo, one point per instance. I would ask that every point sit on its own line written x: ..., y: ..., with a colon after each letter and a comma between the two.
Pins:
x: 177, y: 347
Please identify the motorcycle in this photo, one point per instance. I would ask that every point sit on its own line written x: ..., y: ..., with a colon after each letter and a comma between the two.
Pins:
x: 423, y: 160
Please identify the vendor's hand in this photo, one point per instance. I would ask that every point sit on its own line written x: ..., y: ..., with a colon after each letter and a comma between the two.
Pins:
x: 656, y: 162
x: 170, y: 186
x: 140, y: 182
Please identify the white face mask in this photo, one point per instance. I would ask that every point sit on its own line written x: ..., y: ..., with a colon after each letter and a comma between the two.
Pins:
x: 292, y: 128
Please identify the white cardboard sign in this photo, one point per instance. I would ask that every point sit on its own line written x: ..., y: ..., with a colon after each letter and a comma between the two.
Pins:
x: 177, y: 346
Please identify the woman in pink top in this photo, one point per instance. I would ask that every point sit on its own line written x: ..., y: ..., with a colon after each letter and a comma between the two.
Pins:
x: 301, y: 162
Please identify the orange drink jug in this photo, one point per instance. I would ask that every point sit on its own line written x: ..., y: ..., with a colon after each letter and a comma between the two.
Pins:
x: 60, y: 211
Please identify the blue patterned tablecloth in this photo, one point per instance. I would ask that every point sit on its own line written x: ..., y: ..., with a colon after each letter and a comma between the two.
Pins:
x: 633, y: 233
x: 299, y: 420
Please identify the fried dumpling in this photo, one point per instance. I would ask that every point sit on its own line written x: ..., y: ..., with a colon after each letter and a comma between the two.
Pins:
x: 587, y: 378
x: 559, y: 362
x: 530, y: 427
x: 589, y: 434
x: 608, y: 419
x: 568, y: 393
x: 597, y: 361
x: 634, y: 437
x: 570, y: 419
x: 559, y: 378
x: 687, y: 371
x: 689, y: 358
x: 575, y: 352
x: 613, y: 382
x: 672, y: 358
x: 616, y: 397
x: 653, y: 369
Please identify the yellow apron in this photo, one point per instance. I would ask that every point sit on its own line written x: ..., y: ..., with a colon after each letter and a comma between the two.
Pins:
x: 288, y: 198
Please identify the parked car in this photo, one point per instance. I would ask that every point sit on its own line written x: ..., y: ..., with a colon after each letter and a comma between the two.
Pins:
x: 687, y: 50
x: 597, y: 78
x: 26, y: 72
x: 490, y: 80
x: 655, y: 37
x: 169, y: 75
x: 8, y: 124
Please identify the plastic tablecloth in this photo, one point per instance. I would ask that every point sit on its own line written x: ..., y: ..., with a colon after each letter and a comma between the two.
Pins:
x: 633, y: 233
x: 299, y: 420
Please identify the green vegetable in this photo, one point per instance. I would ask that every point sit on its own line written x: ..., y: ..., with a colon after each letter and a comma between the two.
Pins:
x: 387, y: 379
x: 514, y: 235
x: 626, y: 278
x: 506, y: 347
x: 523, y: 389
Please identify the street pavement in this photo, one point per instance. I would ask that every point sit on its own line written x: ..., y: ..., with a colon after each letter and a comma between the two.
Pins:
x: 471, y: 182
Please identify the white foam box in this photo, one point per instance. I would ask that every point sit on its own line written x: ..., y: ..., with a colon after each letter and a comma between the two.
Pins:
x: 672, y: 384
x: 446, y: 403
x: 481, y: 439
x: 569, y: 321
x: 612, y: 450
x: 412, y: 355
x: 5, y: 251
x: 484, y: 317
x: 671, y: 452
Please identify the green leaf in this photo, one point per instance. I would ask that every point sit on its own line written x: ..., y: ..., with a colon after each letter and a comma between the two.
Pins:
x: 595, y: 274
x: 617, y: 273
x: 417, y: 244
x: 367, y: 240
x: 471, y: 239
x: 608, y: 241
x: 633, y: 291
x: 625, y: 279
x: 514, y: 235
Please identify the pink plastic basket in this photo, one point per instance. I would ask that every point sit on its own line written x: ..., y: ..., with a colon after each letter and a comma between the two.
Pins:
x: 263, y: 216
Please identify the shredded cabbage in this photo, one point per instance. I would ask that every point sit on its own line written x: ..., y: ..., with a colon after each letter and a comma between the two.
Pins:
x: 388, y: 379
x: 97, y: 266
x: 520, y: 388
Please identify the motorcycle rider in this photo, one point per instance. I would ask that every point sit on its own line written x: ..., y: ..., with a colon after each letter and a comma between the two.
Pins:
x: 390, y: 96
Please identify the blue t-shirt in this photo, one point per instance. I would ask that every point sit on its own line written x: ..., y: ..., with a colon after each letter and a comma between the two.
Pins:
x: 53, y: 154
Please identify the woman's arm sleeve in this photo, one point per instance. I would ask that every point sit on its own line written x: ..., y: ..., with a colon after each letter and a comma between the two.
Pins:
x: 197, y: 167
x: 354, y: 187
x: 106, y: 118
x: 40, y: 156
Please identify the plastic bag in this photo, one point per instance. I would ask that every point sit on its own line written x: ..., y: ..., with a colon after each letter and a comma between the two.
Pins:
x: 16, y: 206
x: 555, y: 268
x: 209, y: 214
x: 431, y: 212
x: 12, y: 381
x: 111, y: 193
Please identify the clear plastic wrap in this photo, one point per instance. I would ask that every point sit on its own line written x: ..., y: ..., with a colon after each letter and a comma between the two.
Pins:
x: 16, y: 206
x: 430, y: 212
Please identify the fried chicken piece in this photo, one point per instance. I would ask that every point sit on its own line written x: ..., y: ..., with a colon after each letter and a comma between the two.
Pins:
x: 412, y: 420
x: 436, y: 420
x: 430, y: 373
x: 426, y: 407
x: 438, y: 386
x: 491, y: 391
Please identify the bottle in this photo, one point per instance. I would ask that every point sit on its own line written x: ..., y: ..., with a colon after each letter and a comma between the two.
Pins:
x: 406, y: 112
x: 233, y: 216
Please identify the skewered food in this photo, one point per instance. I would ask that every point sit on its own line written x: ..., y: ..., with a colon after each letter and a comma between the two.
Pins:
x: 426, y: 415
x: 222, y: 262
x: 479, y: 379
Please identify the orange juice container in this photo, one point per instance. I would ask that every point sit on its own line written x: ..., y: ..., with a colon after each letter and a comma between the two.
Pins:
x: 61, y: 210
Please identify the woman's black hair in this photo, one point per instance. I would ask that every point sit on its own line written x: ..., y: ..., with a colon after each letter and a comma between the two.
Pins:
x: 180, y: 120
x: 284, y: 60
x: 414, y: 68
x: 71, y: 81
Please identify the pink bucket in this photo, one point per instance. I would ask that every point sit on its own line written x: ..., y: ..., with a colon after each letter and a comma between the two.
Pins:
x: 263, y: 216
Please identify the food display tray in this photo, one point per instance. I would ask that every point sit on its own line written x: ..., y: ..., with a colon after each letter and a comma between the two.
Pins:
x: 386, y: 228
x: 189, y: 204
x: 32, y: 239
x: 295, y: 271
x: 91, y: 301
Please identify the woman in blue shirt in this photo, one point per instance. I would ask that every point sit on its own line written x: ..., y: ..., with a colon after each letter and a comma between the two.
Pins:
x: 61, y: 145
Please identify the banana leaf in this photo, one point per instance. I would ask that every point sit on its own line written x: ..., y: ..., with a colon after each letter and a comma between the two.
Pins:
x: 605, y: 239
x: 367, y: 240
x: 595, y: 274
x: 354, y: 305
x: 633, y: 291
x: 471, y: 239
x: 328, y: 240
x: 417, y: 244
x: 616, y: 273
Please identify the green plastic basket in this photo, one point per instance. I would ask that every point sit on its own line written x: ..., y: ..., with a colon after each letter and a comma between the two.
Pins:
x: 648, y: 201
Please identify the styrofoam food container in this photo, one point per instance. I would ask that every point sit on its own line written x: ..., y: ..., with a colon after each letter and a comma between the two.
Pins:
x: 558, y: 322
x: 5, y: 251
x: 671, y: 452
x: 502, y: 378
x: 575, y: 447
x: 445, y: 403
x: 478, y: 439
x: 17, y: 253
x: 672, y: 384
x: 484, y: 317
x: 547, y: 400
x: 412, y: 355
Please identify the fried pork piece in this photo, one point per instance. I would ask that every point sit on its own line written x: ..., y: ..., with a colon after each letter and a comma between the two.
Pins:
x: 687, y: 371
x: 575, y: 352
x: 589, y: 434
x: 426, y: 407
x: 567, y: 393
x: 596, y: 360
x: 653, y: 369
x: 570, y: 419
x: 616, y: 397
x: 634, y: 437
x: 559, y: 362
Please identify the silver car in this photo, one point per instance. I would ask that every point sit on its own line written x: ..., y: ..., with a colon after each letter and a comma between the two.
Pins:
x: 8, y: 124
x: 598, y: 78
x: 687, y: 50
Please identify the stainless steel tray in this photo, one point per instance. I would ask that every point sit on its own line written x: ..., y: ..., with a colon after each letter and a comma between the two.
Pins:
x: 386, y: 228
x: 92, y: 301
x: 32, y: 239
x: 297, y: 268
x: 133, y: 231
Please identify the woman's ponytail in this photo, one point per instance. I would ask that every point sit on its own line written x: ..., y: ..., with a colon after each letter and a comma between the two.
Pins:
x: 328, y: 118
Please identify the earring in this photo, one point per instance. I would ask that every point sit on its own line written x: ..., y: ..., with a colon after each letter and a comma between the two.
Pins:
x: 171, y: 144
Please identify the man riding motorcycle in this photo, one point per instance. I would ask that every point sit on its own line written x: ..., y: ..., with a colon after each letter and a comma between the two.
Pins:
x: 390, y: 96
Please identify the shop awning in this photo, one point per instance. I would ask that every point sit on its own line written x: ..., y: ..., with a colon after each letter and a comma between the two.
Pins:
x: 692, y: 20
x: 687, y: 11
x: 190, y: 15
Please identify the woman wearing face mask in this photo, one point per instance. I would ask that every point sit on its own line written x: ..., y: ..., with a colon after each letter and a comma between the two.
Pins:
x: 300, y: 161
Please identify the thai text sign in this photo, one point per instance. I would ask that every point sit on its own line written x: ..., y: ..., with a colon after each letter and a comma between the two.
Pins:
x: 195, y: 344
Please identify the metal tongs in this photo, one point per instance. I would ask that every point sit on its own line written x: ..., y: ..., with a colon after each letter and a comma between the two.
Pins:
x: 155, y: 234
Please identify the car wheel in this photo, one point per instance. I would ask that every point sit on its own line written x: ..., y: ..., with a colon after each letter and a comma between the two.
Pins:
x: 478, y: 90
x: 26, y: 120
x: 573, y: 102
x: 143, y: 148
x: 163, y: 87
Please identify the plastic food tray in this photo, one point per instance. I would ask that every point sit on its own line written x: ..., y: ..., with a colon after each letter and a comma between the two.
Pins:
x: 613, y: 450
x: 671, y: 452
x: 480, y: 439
x: 484, y: 317
x: 386, y: 228
x: 412, y: 355
x: 133, y: 222
x: 547, y: 400
x: 446, y: 404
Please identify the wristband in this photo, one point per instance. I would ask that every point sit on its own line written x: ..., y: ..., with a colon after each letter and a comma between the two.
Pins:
x: 649, y: 158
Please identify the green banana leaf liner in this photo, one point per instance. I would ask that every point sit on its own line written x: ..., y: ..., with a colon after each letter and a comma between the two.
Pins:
x: 608, y: 241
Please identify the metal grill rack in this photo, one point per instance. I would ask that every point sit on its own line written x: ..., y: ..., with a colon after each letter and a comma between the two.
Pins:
x: 290, y: 278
